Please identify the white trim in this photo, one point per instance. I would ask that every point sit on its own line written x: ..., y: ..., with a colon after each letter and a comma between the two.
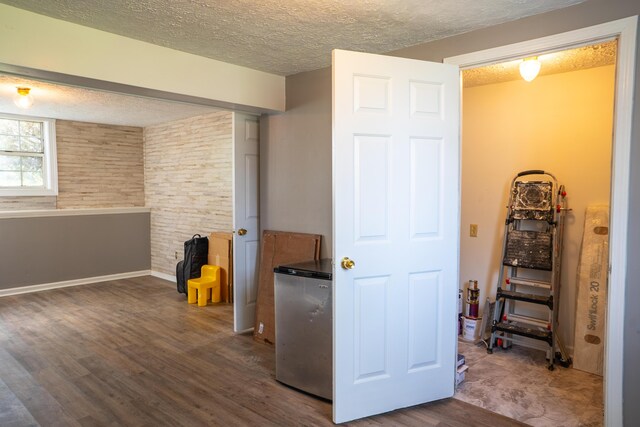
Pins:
x: 625, y: 30
x: 75, y: 282
x: 71, y: 212
x: 234, y: 199
x: 620, y: 185
x: 554, y: 43
x: 51, y: 157
x: 163, y: 276
x: 49, y: 163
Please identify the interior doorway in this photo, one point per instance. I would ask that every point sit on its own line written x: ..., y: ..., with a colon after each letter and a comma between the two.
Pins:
x: 178, y: 149
x: 624, y: 32
x: 560, y: 122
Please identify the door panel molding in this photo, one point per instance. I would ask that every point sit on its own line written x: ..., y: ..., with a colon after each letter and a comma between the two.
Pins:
x: 383, y: 358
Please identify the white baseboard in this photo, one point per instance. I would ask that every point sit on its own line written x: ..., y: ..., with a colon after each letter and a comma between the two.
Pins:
x: 164, y: 276
x: 74, y: 282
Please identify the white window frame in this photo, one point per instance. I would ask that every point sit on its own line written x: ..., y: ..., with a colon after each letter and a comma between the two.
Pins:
x: 49, y: 164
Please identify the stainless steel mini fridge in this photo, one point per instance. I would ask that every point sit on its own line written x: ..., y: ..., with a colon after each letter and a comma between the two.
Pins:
x: 303, y: 308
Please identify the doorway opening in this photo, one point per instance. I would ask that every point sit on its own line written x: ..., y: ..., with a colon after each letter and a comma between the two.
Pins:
x: 167, y: 155
x: 623, y: 31
x: 560, y: 122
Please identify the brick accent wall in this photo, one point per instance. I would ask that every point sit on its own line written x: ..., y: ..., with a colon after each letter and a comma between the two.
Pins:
x: 99, y: 166
x: 27, y: 203
x: 188, y: 167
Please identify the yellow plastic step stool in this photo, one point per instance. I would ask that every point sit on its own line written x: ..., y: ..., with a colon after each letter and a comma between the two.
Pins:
x: 207, y: 285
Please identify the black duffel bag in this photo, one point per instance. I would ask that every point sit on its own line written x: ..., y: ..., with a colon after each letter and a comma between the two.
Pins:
x: 196, y: 251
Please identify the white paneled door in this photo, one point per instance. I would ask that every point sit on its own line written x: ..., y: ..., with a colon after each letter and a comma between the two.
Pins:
x: 246, y: 216
x: 396, y: 218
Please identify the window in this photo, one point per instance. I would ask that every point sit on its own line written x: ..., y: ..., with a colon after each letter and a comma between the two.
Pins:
x: 27, y: 156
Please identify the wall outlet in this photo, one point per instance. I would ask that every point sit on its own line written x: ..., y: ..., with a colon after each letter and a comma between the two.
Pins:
x: 176, y: 255
x: 473, y: 230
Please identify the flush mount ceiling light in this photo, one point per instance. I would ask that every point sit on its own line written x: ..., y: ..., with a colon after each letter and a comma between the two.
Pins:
x: 529, y: 68
x: 23, y: 99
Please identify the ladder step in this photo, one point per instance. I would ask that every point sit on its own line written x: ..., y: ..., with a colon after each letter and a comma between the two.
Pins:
x: 530, y: 282
x: 528, y: 249
x: 532, y: 298
x: 519, y: 318
x: 534, y: 333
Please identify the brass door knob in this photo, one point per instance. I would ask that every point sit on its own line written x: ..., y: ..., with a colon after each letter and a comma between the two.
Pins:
x: 242, y: 232
x: 347, y: 263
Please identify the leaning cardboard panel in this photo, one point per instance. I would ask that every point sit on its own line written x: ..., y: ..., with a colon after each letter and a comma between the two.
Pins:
x: 591, y: 304
x: 220, y: 254
x: 278, y: 247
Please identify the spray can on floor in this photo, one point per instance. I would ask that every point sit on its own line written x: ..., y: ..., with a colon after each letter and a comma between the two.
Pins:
x: 473, y: 298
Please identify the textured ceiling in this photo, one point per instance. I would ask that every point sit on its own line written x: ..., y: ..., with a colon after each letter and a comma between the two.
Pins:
x: 73, y: 103
x: 286, y: 36
x: 278, y: 36
x: 558, y: 62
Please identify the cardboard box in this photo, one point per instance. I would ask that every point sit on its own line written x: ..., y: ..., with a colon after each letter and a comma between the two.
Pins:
x: 221, y: 254
x: 278, y: 248
x: 460, y: 374
x: 591, y: 295
x: 461, y: 360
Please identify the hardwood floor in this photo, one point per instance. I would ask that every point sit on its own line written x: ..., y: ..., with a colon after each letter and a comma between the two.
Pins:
x: 133, y: 352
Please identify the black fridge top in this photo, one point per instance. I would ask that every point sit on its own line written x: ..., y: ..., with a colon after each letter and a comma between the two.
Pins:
x: 320, y: 269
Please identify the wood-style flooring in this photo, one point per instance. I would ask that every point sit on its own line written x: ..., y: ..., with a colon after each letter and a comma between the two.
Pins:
x: 134, y: 353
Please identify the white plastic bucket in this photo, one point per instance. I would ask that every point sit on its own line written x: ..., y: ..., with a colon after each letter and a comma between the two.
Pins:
x: 471, y: 328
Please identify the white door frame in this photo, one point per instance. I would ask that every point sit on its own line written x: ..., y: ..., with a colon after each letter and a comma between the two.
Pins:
x: 625, y: 31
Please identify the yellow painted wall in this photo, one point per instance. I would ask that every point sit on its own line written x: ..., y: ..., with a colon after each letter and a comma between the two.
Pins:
x: 560, y: 123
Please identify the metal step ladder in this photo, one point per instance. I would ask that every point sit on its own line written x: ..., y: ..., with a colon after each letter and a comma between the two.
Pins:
x: 529, y: 279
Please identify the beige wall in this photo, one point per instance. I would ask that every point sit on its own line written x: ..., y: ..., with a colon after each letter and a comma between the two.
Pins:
x: 560, y: 123
x: 99, y: 166
x: 188, y: 168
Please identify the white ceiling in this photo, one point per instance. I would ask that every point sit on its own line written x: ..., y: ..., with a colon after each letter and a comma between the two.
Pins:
x: 287, y: 36
x: 93, y: 106
x: 278, y: 36
x: 580, y: 58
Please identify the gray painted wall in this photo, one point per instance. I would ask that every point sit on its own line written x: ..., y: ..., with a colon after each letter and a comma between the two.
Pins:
x: 51, y: 249
x: 296, y: 150
x: 295, y: 164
